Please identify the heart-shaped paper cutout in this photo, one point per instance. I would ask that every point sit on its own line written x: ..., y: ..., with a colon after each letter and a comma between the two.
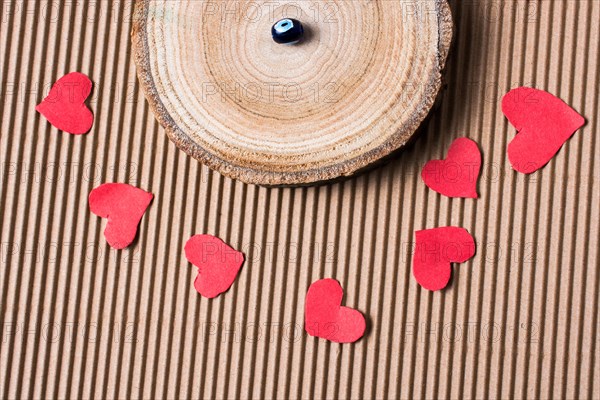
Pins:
x: 123, y: 205
x: 435, y: 249
x: 456, y: 175
x: 65, y: 105
x: 218, y: 264
x: 543, y: 122
x: 325, y: 317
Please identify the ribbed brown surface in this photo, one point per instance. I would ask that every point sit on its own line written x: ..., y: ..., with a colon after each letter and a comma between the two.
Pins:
x: 519, y: 320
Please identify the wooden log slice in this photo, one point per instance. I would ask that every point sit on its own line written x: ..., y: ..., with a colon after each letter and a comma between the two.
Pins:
x: 352, y: 91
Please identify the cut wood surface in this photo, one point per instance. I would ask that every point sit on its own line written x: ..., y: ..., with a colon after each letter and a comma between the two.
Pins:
x: 352, y: 91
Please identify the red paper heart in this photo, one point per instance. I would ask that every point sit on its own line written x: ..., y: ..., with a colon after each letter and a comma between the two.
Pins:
x: 435, y: 250
x: 455, y: 176
x: 326, y: 318
x: 65, y: 105
x: 543, y: 122
x: 218, y: 264
x: 123, y: 205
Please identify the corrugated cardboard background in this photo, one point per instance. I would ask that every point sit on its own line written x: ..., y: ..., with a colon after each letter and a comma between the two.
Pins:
x: 82, y: 320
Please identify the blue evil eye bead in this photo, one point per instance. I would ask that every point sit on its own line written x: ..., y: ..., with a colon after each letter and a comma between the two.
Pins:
x: 287, y: 31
